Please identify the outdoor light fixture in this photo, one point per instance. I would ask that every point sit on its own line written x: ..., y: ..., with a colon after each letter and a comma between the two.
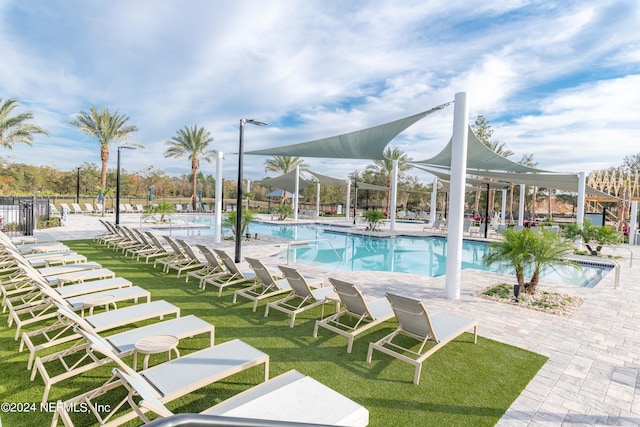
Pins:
x: 118, y: 182
x: 238, y: 254
x: 78, y: 187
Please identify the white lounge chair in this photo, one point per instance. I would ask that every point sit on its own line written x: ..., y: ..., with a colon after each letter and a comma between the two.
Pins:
x: 211, y: 268
x: 302, y: 296
x: 122, y: 344
x: 61, y: 331
x: 415, y: 322
x: 76, y: 208
x: 169, y: 380
x: 363, y: 315
x: 234, y: 274
x: 88, y: 208
x: 270, y: 401
x: 265, y: 287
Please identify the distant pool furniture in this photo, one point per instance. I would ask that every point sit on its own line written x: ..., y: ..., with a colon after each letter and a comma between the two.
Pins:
x: 362, y: 315
x: 415, y: 322
x: 88, y: 208
x: 76, y: 208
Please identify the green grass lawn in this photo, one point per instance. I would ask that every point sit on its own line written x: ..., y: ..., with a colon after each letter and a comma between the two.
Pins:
x: 461, y: 384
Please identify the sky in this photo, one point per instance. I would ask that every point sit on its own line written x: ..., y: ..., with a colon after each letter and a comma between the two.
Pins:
x: 556, y: 79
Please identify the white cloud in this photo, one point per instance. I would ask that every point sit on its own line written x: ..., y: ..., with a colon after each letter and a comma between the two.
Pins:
x: 318, y: 68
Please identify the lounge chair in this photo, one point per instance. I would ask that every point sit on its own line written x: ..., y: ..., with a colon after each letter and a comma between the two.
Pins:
x: 88, y: 208
x: 207, y: 208
x: 53, y: 211
x: 139, y: 208
x: 364, y: 315
x: 179, y: 208
x: 266, y: 286
x: 192, y: 261
x: 170, y: 380
x: 210, y: 269
x: 34, y: 306
x: 128, y: 208
x: 433, y: 227
x: 76, y: 208
x: 416, y: 323
x: 234, y: 274
x: 302, y: 296
x: 65, y: 207
x: 61, y: 331
x: 122, y: 344
x: 270, y: 401
x: 176, y: 255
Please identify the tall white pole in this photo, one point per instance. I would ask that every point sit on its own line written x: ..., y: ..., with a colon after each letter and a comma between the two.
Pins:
x: 394, y: 195
x: 456, y: 204
x: 633, y: 222
x: 217, y: 226
x: 318, y: 200
x: 582, y: 186
x: 504, y: 206
x: 434, y: 201
x: 348, y: 198
x: 295, y: 194
x: 521, y: 205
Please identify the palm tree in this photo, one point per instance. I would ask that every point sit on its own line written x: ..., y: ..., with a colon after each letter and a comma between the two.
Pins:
x: 528, y: 250
x: 14, y: 128
x: 192, y: 143
x: 105, y: 127
x: 284, y: 164
x: 384, y: 168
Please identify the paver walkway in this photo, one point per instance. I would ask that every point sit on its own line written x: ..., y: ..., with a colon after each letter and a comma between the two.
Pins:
x: 592, y: 376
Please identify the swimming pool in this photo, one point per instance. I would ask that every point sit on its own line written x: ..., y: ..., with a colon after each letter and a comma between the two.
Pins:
x: 335, y: 251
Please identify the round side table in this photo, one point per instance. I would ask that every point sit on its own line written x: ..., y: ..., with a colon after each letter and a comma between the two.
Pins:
x: 153, y: 345
x: 92, y: 301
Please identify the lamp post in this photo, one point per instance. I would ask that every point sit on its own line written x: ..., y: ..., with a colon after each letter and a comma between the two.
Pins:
x: 238, y: 254
x: 355, y: 195
x: 118, y: 182
x: 78, y: 187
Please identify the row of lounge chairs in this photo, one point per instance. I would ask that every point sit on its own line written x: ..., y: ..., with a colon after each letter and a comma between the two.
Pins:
x: 354, y: 314
x: 93, y: 340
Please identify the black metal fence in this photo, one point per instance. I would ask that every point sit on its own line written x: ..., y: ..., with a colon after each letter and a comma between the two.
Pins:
x: 19, y: 215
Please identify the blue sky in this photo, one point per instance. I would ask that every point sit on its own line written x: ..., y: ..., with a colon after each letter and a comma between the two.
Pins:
x: 559, y: 79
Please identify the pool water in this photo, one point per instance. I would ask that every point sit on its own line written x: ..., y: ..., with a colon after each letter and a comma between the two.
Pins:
x: 426, y: 256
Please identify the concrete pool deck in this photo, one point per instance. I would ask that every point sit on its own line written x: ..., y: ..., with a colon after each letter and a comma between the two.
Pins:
x: 592, y: 376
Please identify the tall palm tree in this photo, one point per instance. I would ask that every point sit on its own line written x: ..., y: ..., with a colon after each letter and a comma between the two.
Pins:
x: 193, y: 143
x: 105, y: 127
x: 384, y: 168
x: 284, y: 164
x: 14, y: 128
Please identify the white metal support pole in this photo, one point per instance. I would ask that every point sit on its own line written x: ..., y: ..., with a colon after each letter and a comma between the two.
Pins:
x: 217, y: 226
x: 521, y: 205
x: 633, y: 222
x: 295, y: 194
x: 455, y: 218
x: 434, y: 202
x: 348, y: 199
x: 318, y: 200
x: 504, y: 206
x: 394, y: 195
x: 582, y: 186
